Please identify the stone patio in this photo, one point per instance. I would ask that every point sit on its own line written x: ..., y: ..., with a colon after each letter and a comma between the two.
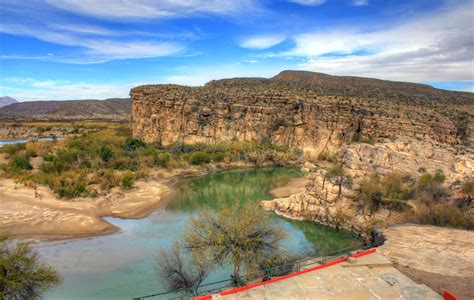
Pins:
x: 368, y: 277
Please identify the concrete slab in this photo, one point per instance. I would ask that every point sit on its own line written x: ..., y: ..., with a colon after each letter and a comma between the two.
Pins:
x: 376, y: 279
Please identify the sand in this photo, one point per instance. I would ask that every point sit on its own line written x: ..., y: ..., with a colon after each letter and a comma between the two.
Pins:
x: 294, y: 186
x: 39, y: 214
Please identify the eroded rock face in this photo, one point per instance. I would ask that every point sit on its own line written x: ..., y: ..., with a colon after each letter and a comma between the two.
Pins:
x: 284, y: 111
x: 408, y: 156
x: 328, y: 204
x: 338, y: 206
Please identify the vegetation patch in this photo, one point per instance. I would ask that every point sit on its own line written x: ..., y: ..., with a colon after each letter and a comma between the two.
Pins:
x: 85, y: 165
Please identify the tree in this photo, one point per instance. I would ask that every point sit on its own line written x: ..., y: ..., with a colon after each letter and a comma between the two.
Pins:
x: 22, y: 274
x: 180, y: 273
x: 337, y: 176
x: 241, y: 236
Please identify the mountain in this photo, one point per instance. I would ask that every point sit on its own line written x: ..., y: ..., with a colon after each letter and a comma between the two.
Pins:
x: 110, y: 109
x: 6, y: 101
x: 313, y: 112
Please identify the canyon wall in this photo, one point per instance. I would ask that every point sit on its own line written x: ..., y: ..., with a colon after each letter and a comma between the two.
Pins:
x: 290, y: 112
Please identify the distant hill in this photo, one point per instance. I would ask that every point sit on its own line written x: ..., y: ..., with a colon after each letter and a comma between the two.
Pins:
x: 6, y: 101
x: 110, y: 109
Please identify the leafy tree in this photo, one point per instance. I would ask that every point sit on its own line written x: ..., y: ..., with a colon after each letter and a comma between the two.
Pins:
x: 180, y: 273
x: 22, y: 274
x: 241, y: 236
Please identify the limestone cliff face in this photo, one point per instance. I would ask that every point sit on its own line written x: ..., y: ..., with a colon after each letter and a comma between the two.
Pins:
x: 329, y: 204
x: 296, y: 114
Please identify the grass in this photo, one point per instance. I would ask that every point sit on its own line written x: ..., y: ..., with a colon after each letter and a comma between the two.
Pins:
x: 98, y: 161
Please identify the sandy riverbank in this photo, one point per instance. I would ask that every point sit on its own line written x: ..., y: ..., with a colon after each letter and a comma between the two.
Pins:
x: 38, y: 213
x: 295, y: 185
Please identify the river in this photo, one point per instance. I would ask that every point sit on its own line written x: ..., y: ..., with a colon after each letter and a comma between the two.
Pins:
x: 122, y: 265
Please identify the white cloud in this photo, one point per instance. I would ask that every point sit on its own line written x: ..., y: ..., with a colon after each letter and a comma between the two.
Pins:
x: 261, y: 41
x: 435, y: 47
x: 94, y: 50
x: 153, y: 9
x: 360, y: 2
x: 63, y: 90
x: 308, y: 2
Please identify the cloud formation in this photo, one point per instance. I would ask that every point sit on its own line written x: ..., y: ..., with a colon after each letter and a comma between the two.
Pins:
x: 308, y: 2
x: 360, y: 2
x: 261, y: 41
x: 434, y: 47
x: 152, y: 9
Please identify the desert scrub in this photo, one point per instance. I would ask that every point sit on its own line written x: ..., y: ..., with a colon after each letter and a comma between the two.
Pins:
x: 101, y: 160
x: 127, y: 180
x: 392, y: 191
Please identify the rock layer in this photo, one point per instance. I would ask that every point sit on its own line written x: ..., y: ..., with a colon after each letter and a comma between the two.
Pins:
x: 312, y: 115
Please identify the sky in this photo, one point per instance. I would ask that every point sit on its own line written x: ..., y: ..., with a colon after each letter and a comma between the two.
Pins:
x: 97, y: 49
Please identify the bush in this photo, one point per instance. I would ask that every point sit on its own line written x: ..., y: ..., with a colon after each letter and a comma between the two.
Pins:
x: 468, y: 187
x: 105, y: 153
x: 127, y: 180
x: 199, y: 158
x: 70, y: 186
x: 371, y: 194
x: 13, y: 149
x: 367, y: 140
x: 20, y: 163
x: 131, y: 144
x: 440, y: 214
x: 431, y: 185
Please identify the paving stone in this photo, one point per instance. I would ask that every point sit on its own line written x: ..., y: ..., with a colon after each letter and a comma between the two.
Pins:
x: 344, y: 283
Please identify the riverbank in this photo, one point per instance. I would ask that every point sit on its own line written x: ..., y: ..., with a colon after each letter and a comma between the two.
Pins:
x: 39, y: 214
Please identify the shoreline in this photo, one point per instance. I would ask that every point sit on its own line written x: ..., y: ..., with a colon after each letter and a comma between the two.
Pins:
x: 38, y: 214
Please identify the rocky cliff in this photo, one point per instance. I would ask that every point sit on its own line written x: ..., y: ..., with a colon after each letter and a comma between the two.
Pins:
x: 338, y: 206
x: 310, y: 111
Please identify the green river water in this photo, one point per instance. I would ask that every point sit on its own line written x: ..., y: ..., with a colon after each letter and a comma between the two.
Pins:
x: 122, y: 265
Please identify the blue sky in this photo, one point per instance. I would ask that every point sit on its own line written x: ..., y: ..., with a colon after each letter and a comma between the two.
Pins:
x: 78, y: 49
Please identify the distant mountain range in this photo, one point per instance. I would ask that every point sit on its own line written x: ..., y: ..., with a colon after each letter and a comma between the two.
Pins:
x: 116, y: 109
x: 4, y: 101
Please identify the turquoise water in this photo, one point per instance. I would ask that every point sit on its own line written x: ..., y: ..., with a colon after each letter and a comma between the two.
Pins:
x: 122, y: 265
x: 25, y: 141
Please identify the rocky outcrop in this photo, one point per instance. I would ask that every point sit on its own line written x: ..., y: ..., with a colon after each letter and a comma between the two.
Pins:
x: 337, y: 205
x: 407, y: 156
x: 328, y: 204
x: 314, y: 116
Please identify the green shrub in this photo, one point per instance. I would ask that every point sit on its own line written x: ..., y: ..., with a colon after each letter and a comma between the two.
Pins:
x: 468, y: 187
x: 371, y: 194
x: 131, y: 144
x: 105, y: 153
x: 20, y: 163
x: 13, y: 149
x: 199, y: 158
x: 127, y: 180
x: 367, y: 140
x: 161, y: 159
x: 441, y: 214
